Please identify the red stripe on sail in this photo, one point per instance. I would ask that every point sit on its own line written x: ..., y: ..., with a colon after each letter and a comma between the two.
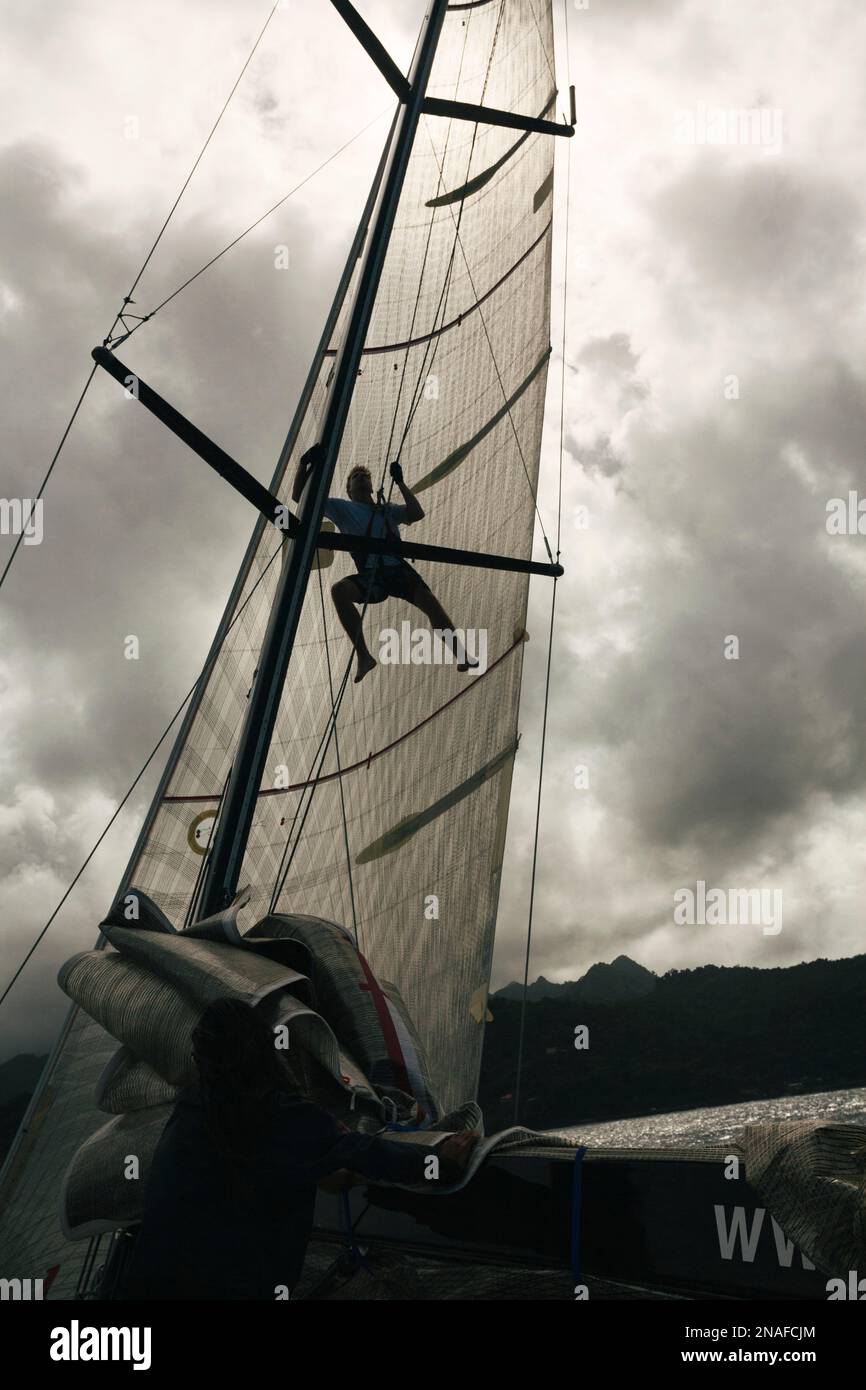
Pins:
x: 389, y: 1032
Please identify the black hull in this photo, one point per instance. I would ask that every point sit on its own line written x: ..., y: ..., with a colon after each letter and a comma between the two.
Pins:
x: 669, y: 1224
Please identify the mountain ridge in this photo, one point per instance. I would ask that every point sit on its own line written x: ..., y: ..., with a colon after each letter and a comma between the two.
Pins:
x: 602, y: 983
x: 709, y: 1036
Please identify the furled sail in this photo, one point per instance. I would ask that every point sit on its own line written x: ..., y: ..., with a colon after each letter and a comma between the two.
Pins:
x: 397, y: 830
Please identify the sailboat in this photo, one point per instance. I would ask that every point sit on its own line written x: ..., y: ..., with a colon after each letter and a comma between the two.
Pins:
x: 331, y: 852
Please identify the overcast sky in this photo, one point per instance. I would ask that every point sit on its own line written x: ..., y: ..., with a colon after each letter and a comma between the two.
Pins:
x: 716, y: 340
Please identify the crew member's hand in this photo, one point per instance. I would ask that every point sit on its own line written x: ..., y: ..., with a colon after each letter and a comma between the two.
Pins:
x: 397, y: 473
x: 306, y: 463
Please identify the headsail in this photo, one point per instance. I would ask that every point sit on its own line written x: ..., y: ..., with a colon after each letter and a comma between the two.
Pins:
x: 454, y: 371
x: 457, y: 351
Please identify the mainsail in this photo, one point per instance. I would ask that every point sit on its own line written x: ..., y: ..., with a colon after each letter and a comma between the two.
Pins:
x: 390, y: 818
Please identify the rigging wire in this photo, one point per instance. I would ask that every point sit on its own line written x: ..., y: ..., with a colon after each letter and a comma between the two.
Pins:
x: 128, y: 299
x: 200, y: 156
x: 458, y: 241
x: 533, y: 490
x: 522, y: 1032
x: 447, y: 277
x: 132, y: 786
x: 204, y: 864
x: 550, y: 66
x: 42, y: 485
x: 339, y: 765
x: 251, y: 228
x: 312, y: 782
x: 289, y: 849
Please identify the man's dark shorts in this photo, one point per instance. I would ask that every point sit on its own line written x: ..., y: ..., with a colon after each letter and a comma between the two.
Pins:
x: 390, y: 581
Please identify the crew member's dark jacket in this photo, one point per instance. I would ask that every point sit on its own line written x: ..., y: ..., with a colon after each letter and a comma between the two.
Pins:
x: 212, y: 1230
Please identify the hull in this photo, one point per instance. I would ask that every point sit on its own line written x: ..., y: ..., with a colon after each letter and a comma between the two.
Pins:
x: 655, y: 1221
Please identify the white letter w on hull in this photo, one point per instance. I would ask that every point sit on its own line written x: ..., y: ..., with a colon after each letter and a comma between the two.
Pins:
x: 739, y: 1232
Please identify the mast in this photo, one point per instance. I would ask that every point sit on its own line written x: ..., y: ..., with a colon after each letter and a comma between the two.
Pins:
x: 234, y: 597
x: 233, y: 827
x: 285, y: 454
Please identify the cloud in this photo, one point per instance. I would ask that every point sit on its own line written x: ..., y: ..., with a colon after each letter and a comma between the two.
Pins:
x: 691, y: 269
x: 718, y: 401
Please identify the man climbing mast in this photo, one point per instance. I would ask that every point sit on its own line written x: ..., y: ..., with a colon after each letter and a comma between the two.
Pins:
x: 379, y: 576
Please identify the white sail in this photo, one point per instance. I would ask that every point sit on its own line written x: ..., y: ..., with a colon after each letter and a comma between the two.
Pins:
x: 455, y: 357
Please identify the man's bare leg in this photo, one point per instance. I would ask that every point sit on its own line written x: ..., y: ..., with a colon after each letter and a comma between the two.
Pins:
x: 431, y: 608
x: 346, y: 593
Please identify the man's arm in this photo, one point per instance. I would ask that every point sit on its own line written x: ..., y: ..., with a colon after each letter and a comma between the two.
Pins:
x: 306, y: 463
x: 385, y: 1159
x: 314, y: 1146
x: 414, y: 510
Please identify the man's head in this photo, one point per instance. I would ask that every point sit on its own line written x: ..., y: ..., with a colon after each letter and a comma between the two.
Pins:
x: 359, y: 484
x: 235, y: 1053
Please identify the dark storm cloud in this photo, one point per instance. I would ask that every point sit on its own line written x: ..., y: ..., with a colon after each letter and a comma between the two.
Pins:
x: 139, y: 536
x: 707, y: 514
x: 771, y: 228
x: 731, y: 771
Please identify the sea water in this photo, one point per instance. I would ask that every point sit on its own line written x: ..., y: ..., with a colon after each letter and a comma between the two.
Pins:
x: 719, y: 1123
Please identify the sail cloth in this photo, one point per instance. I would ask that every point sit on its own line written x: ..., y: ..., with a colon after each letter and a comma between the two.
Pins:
x: 149, y: 992
x: 455, y: 358
x: 457, y: 349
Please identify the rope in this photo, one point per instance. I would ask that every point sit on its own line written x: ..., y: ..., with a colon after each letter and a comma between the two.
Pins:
x: 71, y: 422
x: 290, y: 849
x: 251, y: 228
x: 312, y: 782
x: 541, y: 41
x: 532, y: 489
x: 339, y: 767
x: 564, y: 298
x: 127, y: 299
x: 204, y: 863
x: 534, y: 862
x: 522, y: 1033
x: 423, y: 370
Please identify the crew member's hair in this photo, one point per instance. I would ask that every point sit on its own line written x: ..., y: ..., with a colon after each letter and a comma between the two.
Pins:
x: 359, y: 468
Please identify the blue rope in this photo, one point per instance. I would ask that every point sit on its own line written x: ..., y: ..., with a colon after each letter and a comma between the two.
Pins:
x: 576, y: 1193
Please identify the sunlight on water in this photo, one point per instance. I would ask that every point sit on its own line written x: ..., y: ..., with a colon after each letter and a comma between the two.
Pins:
x: 718, y: 1123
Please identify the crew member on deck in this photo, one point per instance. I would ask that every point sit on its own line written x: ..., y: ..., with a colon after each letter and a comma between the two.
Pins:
x: 379, y: 576
x: 228, y: 1207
